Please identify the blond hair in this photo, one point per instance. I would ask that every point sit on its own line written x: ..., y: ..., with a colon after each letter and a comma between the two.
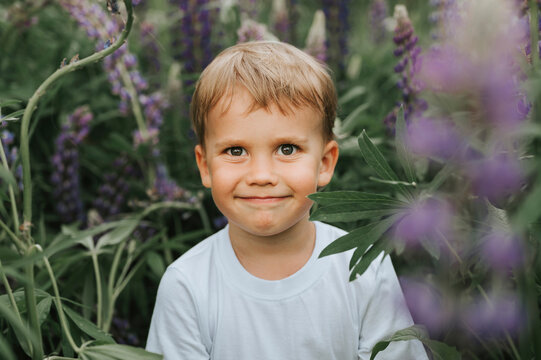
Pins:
x: 273, y: 73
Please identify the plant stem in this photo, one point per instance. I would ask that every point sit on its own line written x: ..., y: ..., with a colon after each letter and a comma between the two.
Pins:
x: 14, y: 211
x: 58, y: 302
x: 18, y: 243
x: 534, y: 34
x: 12, y: 299
x: 98, y: 288
x: 32, y: 104
x: 110, y: 287
x: 31, y: 307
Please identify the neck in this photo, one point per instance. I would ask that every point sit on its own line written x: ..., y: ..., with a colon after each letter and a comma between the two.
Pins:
x: 276, y: 256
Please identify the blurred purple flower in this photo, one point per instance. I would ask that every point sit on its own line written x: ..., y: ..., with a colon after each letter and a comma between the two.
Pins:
x: 252, y: 31
x: 378, y: 13
x: 426, y: 305
x: 501, y: 313
x: 432, y: 138
x: 316, y: 39
x: 429, y: 218
x: 496, y: 177
x: 408, y: 67
x: 65, y: 161
x: 338, y: 26
x: 502, y: 251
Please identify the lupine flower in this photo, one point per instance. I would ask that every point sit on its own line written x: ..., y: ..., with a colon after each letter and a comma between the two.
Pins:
x: 122, y: 333
x: 429, y: 219
x: 378, y: 14
x: 501, y: 250
x: 65, y: 176
x: 316, y: 44
x: 251, y: 31
x: 112, y: 194
x: 280, y: 19
x: 152, y: 51
x: 337, y: 22
x: 432, y: 138
x: 11, y: 153
x: 495, y: 315
x: 407, y: 68
x: 427, y: 305
x: 165, y: 188
x: 496, y: 177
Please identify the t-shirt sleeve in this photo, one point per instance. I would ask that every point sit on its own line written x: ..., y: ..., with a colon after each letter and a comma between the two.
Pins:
x: 385, y: 313
x: 175, y: 326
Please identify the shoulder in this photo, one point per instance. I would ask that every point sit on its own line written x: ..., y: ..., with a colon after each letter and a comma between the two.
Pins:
x: 328, y: 233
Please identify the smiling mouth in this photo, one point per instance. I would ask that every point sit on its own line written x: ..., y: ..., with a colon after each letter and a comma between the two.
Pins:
x: 263, y: 199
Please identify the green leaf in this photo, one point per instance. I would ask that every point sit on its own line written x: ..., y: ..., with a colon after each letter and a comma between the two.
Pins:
x: 361, y: 237
x: 9, y: 102
x: 439, y: 350
x: 345, y: 197
x: 349, y: 122
x: 529, y: 211
x: 369, y: 256
x: 117, y: 352
x: 44, y: 307
x: 374, y: 236
x: 352, y: 212
x: 377, y: 162
x: 404, y: 154
x: 156, y: 264
x: 440, y: 177
x: 121, y: 232
x: 351, y: 94
x: 7, y: 176
x: 88, y: 327
x: 13, y: 116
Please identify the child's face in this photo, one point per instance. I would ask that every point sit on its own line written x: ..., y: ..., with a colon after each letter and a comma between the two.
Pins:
x: 262, y: 165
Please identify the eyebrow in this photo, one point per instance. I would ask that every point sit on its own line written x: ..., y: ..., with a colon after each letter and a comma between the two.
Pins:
x: 279, y: 140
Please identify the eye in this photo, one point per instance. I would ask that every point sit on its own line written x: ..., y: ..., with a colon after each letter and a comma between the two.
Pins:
x: 236, y: 151
x: 287, y: 149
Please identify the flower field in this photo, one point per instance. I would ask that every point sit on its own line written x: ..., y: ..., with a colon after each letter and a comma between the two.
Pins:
x: 439, y: 127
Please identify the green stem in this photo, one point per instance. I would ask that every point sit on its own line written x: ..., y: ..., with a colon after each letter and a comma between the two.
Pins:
x: 110, y: 287
x: 12, y: 299
x: 98, y: 288
x: 58, y: 303
x: 14, y: 211
x: 136, y: 107
x: 33, y: 101
x: 534, y: 34
x: 18, y: 243
x: 31, y: 307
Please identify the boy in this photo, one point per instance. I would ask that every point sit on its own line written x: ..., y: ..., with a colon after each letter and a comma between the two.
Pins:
x: 263, y: 113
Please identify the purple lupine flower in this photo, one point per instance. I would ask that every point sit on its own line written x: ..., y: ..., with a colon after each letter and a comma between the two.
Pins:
x: 280, y: 20
x: 337, y: 22
x: 501, y: 250
x: 502, y: 313
x: 251, y: 31
x: 427, y: 305
x: 429, y: 219
x: 316, y: 44
x: 65, y: 161
x: 12, y: 153
x: 112, y: 195
x: 496, y: 177
x: 165, y: 188
x: 409, y: 64
x: 378, y: 14
x: 120, y: 329
x: 432, y: 137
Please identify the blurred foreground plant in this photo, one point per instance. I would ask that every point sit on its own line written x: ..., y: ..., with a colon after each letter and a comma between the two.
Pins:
x: 463, y: 204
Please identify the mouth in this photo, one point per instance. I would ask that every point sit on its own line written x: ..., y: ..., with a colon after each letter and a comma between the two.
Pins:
x: 262, y: 199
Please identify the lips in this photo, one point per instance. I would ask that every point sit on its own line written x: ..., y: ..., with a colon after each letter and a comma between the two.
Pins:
x: 262, y: 199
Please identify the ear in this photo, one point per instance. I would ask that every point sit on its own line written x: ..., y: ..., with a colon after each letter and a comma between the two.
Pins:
x: 328, y: 162
x: 203, y: 166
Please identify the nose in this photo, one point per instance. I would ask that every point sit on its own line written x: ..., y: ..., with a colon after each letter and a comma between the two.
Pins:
x: 261, y: 172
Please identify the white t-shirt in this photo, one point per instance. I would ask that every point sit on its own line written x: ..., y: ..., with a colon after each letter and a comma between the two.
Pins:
x: 209, y: 307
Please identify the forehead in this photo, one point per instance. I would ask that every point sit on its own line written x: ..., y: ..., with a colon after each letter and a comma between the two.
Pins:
x: 239, y: 111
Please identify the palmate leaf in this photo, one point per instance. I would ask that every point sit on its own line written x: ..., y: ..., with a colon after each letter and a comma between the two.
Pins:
x: 404, y: 154
x: 439, y: 350
x: 377, y: 162
x: 352, y: 212
x: 347, y: 197
x: 116, y: 352
x: 370, y: 255
x: 361, y: 237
